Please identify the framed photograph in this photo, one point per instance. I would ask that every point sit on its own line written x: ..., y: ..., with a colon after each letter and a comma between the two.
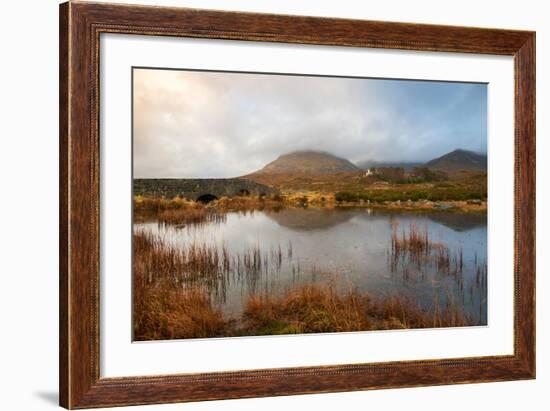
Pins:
x: 259, y: 205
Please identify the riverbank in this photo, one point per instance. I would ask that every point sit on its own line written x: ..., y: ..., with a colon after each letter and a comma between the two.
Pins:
x: 155, y: 205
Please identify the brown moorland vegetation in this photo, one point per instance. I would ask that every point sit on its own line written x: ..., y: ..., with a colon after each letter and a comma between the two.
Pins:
x: 318, y: 308
x: 162, y: 307
x: 456, y: 186
x: 162, y: 312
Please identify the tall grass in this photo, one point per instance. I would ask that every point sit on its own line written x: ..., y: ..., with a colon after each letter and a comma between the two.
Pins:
x: 415, y: 246
x: 190, y: 216
x: 183, y: 213
x: 163, y: 306
x: 207, y: 266
x: 157, y: 204
x: 318, y: 308
x: 199, y: 265
x: 162, y: 312
x: 415, y: 243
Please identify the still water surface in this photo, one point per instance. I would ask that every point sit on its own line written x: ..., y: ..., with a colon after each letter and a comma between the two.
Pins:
x: 351, y: 248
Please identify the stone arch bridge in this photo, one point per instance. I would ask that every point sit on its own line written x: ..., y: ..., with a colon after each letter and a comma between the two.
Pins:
x: 200, y: 189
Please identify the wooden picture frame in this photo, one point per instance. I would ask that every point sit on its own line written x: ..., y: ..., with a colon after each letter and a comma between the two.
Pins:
x: 80, y: 27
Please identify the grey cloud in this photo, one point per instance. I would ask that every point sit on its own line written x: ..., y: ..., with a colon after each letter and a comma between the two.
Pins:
x: 207, y: 124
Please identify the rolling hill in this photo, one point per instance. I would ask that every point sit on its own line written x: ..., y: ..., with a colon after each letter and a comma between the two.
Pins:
x: 307, y: 162
x: 325, y: 172
x: 459, y: 160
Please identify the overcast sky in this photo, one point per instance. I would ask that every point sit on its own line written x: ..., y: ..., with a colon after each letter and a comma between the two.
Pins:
x: 207, y: 124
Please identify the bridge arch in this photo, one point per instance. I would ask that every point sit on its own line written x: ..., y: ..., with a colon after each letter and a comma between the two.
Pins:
x: 206, y: 198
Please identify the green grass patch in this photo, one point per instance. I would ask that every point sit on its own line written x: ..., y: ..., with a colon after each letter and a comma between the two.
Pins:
x: 435, y: 194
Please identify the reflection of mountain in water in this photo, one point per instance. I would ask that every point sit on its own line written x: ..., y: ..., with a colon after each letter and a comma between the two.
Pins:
x: 308, y: 219
x: 459, y: 221
x: 454, y: 220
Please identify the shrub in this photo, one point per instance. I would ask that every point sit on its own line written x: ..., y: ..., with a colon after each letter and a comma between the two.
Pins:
x: 427, y: 174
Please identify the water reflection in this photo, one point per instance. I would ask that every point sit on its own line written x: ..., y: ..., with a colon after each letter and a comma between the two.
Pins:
x: 308, y: 219
x: 436, y: 258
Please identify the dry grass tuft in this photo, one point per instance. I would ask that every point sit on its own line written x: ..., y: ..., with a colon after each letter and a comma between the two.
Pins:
x: 162, y: 312
x: 197, y: 264
x: 157, y: 204
x: 194, y: 216
x: 415, y: 246
x: 394, y: 312
x: 309, y: 309
x: 321, y: 308
x: 165, y: 307
x: 415, y: 242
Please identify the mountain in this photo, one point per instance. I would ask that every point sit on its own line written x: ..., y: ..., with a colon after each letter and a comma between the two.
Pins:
x: 459, y: 160
x: 308, y: 162
x: 407, y: 165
